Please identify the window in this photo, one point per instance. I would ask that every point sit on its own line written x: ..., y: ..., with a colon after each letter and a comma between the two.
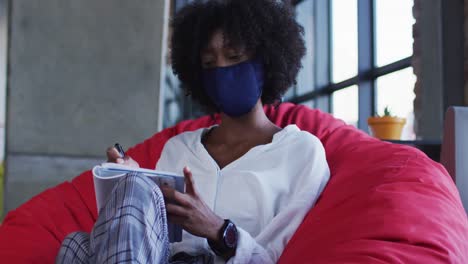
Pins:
x: 361, y: 59
x: 393, y: 30
x: 395, y: 90
x: 177, y: 106
x: 344, y: 39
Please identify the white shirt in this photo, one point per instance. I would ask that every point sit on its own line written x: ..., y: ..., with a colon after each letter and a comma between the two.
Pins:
x: 266, y: 192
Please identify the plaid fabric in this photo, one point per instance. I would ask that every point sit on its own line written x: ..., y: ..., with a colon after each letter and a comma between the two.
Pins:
x: 74, y: 249
x: 131, y: 228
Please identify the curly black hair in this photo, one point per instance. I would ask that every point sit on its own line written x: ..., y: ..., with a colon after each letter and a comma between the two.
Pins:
x: 266, y: 28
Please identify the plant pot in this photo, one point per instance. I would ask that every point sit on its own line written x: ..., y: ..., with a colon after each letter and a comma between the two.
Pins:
x: 386, y: 127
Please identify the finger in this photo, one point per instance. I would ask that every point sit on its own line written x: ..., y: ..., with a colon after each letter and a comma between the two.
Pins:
x: 176, y: 210
x: 189, y: 182
x: 173, y: 196
x: 127, y: 160
x: 112, y: 154
x: 167, y: 192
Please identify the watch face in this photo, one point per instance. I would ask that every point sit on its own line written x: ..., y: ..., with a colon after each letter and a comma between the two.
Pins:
x: 230, y: 235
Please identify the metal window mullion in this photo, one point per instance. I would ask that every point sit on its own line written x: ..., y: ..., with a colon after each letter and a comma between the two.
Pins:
x: 326, y: 90
x: 390, y: 68
x: 322, y: 53
x: 178, y: 4
x: 366, y: 53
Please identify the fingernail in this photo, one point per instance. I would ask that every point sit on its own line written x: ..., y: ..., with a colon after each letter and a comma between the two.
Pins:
x: 187, y: 168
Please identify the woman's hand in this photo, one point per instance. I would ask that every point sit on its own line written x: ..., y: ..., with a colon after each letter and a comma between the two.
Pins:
x: 190, y: 211
x: 113, y: 155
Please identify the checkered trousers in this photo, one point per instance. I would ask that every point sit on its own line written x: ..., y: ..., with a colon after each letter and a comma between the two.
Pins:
x: 131, y: 228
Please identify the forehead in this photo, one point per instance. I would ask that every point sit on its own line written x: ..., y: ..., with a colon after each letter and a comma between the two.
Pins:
x: 218, y: 42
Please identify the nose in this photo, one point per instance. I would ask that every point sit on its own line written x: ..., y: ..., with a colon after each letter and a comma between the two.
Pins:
x: 222, y: 61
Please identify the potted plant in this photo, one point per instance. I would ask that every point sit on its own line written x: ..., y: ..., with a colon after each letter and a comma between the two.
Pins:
x: 387, y: 126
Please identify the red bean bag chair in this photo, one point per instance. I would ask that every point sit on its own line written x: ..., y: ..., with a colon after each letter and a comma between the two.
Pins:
x: 384, y: 203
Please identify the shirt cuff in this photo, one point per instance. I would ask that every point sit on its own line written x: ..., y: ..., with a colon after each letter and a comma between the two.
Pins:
x: 248, y: 250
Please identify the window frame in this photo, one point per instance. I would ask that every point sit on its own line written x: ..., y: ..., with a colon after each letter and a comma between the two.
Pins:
x: 368, y: 72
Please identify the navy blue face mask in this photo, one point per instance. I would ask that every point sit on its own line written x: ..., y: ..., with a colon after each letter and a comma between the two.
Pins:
x: 234, y: 89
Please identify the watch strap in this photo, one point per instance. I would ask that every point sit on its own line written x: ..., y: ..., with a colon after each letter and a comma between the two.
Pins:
x: 224, y: 248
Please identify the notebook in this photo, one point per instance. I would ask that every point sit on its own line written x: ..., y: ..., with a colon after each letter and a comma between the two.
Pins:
x: 106, y: 176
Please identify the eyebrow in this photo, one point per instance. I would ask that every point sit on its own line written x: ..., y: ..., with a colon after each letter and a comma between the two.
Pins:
x: 211, y: 50
x: 207, y: 50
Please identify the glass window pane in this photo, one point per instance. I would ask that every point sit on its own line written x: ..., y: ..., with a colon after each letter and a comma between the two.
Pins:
x: 345, y: 105
x: 310, y: 103
x: 322, y: 103
x: 394, y: 30
x: 396, y: 90
x: 344, y: 39
x: 290, y: 93
x: 305, y: 17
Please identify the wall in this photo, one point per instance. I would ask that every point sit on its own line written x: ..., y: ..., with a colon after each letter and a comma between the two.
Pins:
x: 427, y: 66
x: 465, y: 73
x: 438, y: 63
x: 3, y: 70
x: 3, y: 73
x: 82, y: 76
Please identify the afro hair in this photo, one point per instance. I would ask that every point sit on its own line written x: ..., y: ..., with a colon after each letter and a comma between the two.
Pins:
x: 265, y: 28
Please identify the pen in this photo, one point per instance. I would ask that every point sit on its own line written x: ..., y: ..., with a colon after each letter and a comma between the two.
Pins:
x: 120, y: 149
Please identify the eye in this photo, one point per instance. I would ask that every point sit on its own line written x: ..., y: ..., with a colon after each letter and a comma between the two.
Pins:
x: 207, y: 59
x: 235, y: 57
x: 208, y: 63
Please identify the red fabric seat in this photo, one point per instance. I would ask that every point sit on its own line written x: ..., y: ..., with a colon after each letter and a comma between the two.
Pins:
x: 385, y: 203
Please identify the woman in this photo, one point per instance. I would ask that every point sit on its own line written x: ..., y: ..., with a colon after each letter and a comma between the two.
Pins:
x: 249, y: 183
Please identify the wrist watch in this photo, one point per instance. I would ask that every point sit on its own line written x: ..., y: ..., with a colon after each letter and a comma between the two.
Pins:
x: 228, y: 236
